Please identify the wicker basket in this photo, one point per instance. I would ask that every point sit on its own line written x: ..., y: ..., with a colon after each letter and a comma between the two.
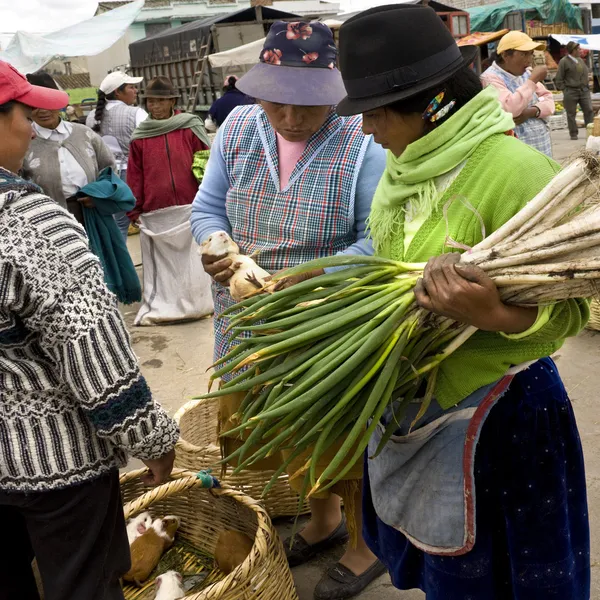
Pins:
x: 264, y: 575
x: 198, y: 449
x: 594, y: 322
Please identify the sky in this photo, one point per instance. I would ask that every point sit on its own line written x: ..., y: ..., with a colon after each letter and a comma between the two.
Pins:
x: 41, y: 16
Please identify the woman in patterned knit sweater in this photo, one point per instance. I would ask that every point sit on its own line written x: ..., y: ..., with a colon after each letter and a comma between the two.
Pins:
x: 73, y: 403
x: 485, y: 499
x: 291, y: 180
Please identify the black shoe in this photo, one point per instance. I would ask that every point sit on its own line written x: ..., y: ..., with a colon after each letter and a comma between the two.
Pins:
x: 574, y: 138
x: 301, y: 551
x: 340, y: 582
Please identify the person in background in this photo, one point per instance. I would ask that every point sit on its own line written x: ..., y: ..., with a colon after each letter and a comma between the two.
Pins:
x: 162, y: 152
x: 573, y: 78
x: 521, y: 90
x: 63, y: 157
x: 117, y: 117
x: 73, y: 402
x: 292, y: 181
x: 231, y: 98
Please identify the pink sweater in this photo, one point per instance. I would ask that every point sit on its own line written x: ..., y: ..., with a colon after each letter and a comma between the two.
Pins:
x: 515, y: 103
x: 289, y: 155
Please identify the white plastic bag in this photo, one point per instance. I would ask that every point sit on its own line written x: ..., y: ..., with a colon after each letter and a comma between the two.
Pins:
x: 175, y: 286
x: 593, y: 144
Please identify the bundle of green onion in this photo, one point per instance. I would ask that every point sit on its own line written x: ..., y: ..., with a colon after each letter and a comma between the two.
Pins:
x: 328, y: 356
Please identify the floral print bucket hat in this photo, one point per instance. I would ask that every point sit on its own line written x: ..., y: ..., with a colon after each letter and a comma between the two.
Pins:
x: 297, y: 66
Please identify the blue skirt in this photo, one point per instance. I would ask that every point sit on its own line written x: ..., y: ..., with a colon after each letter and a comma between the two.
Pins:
x: 532, y: 529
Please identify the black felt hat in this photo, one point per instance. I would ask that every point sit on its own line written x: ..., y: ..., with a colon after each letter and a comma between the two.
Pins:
x: 160, y: 87
x: 390, y: 53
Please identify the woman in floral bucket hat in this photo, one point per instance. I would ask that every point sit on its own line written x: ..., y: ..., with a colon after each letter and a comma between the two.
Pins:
x: 290, y: 180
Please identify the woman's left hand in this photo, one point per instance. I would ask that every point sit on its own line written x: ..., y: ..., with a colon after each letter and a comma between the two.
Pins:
x: 466, y: 294
x: 287, y: 282
x: 86, y: 201
x: 530, y: 112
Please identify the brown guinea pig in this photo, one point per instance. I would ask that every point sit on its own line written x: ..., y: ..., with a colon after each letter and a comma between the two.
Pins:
x: 231, y: 550
x: 147, y: 550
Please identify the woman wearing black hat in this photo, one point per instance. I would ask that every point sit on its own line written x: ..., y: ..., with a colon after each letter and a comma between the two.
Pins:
x: 164, y: 153
x: 162, y: 150
x: 486, y: 499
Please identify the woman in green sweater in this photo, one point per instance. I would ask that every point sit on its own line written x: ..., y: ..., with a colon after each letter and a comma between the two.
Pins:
x: 486, y: 499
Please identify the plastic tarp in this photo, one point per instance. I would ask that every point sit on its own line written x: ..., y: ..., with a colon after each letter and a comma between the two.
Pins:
x: 248, y: 54
x: 587, y: 42
x: 491, y: 16
x: 28, y: 52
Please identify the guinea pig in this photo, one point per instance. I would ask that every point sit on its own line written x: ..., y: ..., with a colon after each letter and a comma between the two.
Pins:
x: 248, y: 278
x: 169, y: 526
x: 147, y: 550
x: 138, y: 525
x: 169, y: 586
x: 231, y: 550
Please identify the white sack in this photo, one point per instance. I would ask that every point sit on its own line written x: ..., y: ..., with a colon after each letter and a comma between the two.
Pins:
x: 175, y: 286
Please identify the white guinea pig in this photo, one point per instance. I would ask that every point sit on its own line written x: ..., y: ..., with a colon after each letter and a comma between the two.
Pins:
x: 248, y: 278
x: 138, y: 525
x: 169, y: 586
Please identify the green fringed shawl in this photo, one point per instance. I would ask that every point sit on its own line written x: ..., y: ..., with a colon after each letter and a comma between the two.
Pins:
x: 410, y: 177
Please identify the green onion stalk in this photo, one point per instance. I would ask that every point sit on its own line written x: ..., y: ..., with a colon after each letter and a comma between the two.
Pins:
x: 326, y: 357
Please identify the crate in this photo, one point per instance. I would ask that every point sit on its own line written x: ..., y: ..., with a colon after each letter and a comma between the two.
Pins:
x: 558, y: 121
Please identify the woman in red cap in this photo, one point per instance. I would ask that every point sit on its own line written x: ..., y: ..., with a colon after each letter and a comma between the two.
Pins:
x: 73, y: 403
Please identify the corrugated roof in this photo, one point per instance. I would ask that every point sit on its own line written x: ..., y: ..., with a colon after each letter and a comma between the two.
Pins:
x: 72, y: 82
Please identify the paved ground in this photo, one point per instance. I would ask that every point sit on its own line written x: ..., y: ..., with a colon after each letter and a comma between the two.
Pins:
x: 175, y: 358
x: 563, y: 147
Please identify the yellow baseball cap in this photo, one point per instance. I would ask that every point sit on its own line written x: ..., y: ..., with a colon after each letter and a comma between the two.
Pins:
x: 517, y: 40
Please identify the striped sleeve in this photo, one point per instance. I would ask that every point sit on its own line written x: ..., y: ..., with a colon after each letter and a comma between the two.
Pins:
x: 64, y: 300
x: 86, y: 335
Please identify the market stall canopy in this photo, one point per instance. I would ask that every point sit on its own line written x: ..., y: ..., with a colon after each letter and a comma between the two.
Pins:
x: 491, y: 16
x: 480, y: 38
x: 28, y: 52
x: 587, y: 42
x: 248, y: 54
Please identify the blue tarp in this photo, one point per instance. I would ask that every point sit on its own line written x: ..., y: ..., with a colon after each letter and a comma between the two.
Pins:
x: 491, y: 16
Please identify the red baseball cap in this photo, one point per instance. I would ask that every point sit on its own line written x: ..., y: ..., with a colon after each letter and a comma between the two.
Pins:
x: 14, y: 86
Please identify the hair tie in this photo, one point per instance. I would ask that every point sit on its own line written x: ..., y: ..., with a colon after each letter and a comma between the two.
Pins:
x: 432, y: 113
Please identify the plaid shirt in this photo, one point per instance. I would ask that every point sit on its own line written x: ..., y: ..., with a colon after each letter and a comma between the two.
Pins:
x: 534, y: 132
x: 312, y: 217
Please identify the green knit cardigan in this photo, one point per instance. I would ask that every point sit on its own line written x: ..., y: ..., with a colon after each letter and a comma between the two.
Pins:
x: 498, y: 180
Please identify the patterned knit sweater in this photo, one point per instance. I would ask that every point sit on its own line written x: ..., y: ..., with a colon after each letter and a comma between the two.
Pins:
x: 73, y: 403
